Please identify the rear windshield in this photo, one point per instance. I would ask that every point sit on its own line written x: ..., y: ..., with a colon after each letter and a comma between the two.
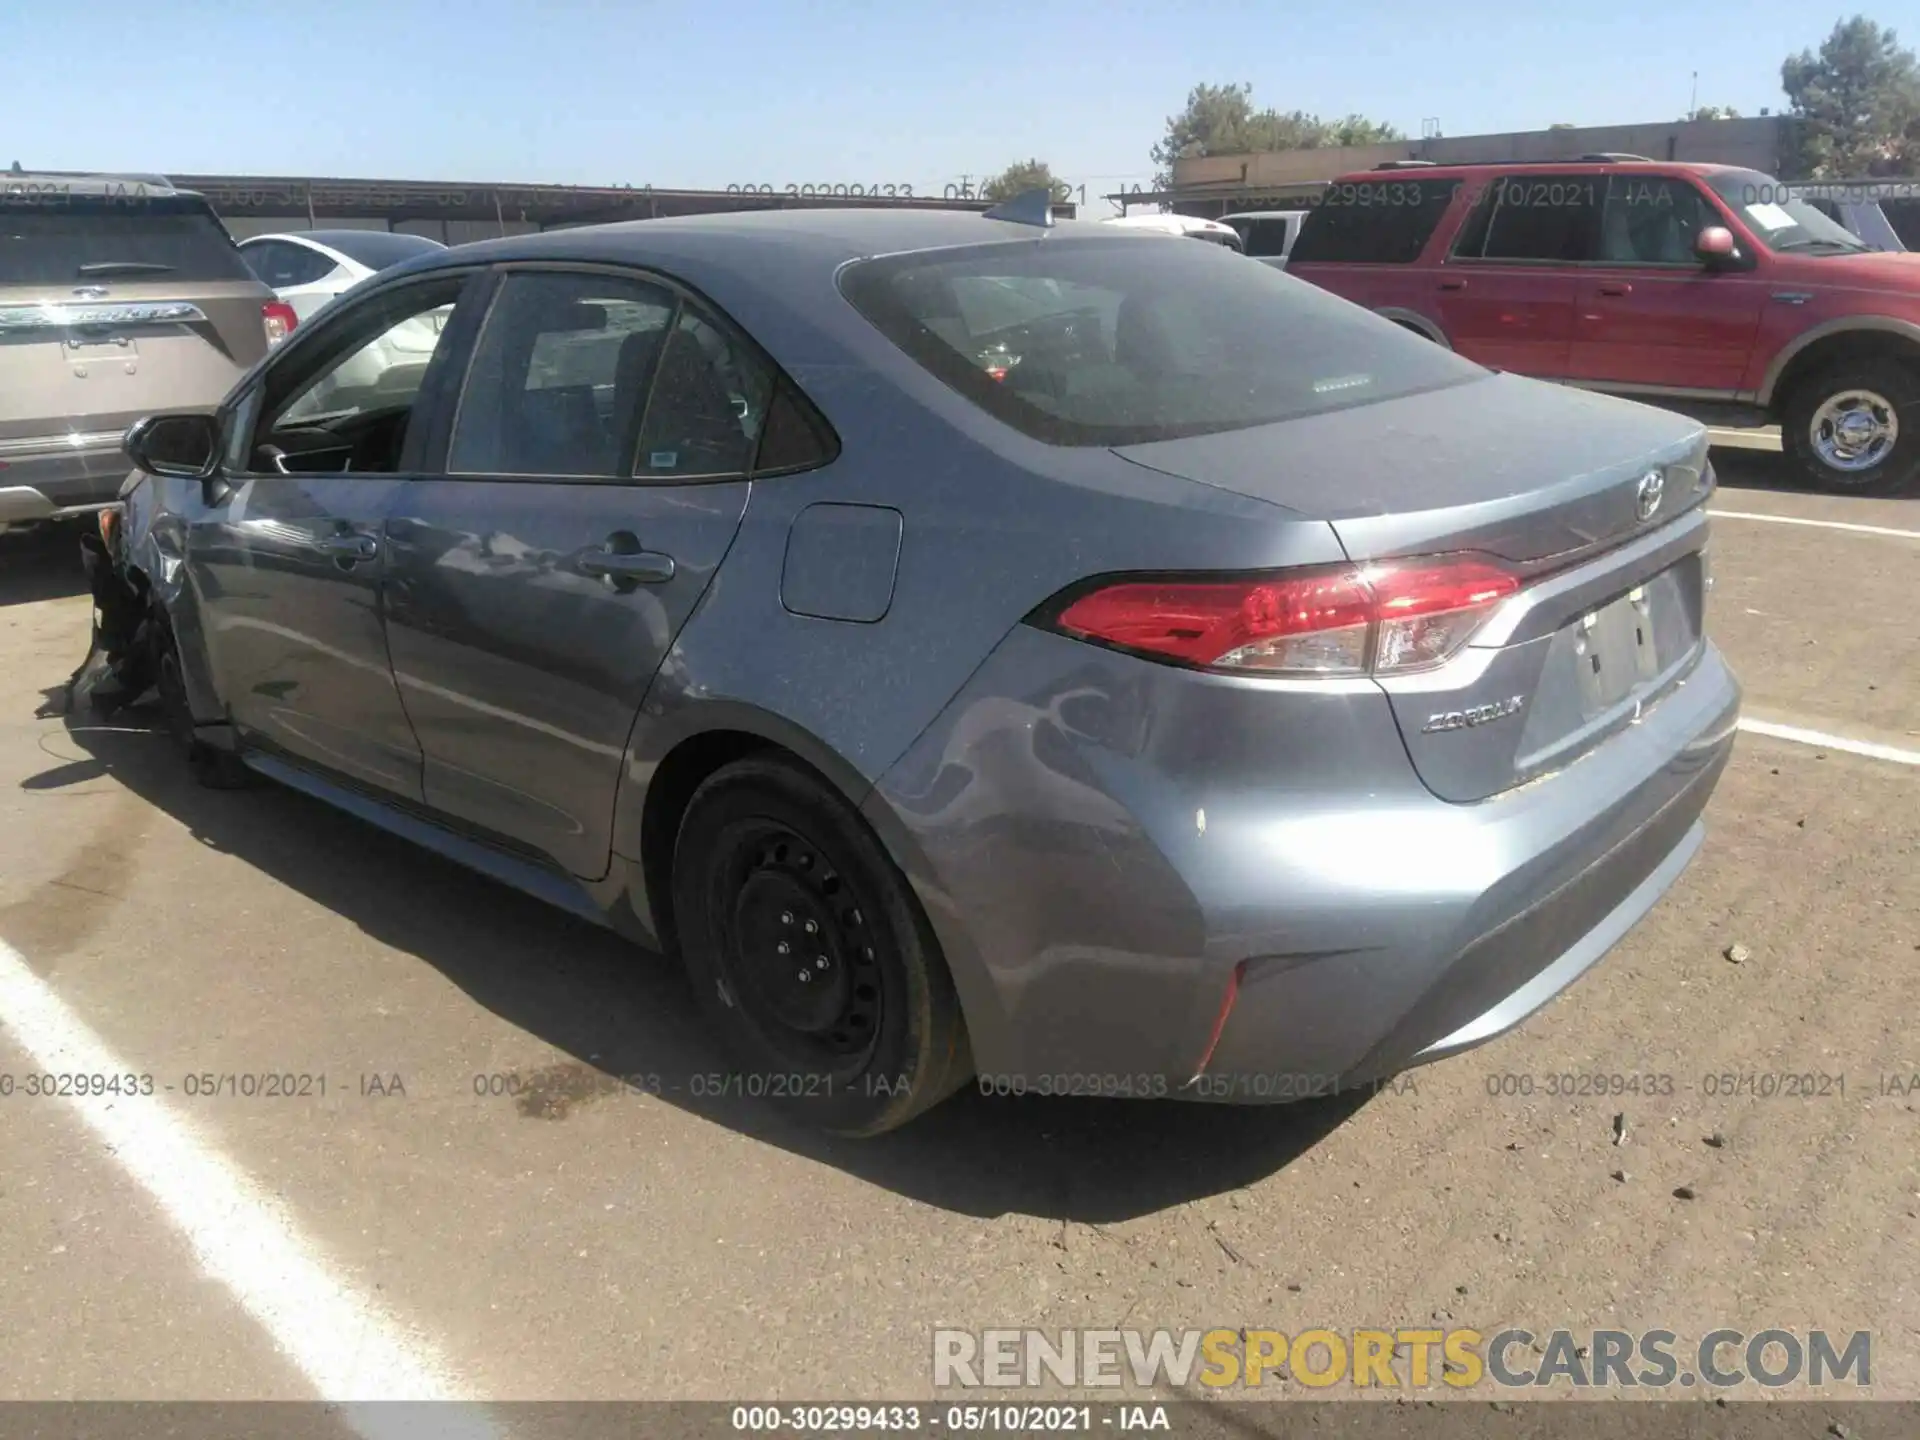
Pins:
x: 1119, y: 341
x: 57, y: 239
x: 377, y: 249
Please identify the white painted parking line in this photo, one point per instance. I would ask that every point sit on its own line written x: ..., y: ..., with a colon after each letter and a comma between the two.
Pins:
x: 345, y: 1344
x: 1816, y: 524
x: 1824, y: 741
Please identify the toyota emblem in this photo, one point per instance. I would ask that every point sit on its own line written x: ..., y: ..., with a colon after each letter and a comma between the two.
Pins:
x: 1646, y: 499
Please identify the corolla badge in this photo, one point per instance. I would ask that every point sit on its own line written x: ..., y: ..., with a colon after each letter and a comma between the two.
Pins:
x: 1473, y: 715
x: 1646, y: 499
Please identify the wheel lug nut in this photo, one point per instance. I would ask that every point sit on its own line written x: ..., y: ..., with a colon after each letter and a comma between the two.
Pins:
x: 820, y: 962
x: 806, y: 976
x: 782, y: 948
x: 786, y: 917
x: 811, y: 928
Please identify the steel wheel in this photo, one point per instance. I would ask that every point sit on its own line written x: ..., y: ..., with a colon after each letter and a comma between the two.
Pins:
x: 796, y: 954
x: 809, y: 955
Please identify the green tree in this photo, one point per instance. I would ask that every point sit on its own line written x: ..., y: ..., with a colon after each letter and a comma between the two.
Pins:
x: 1022, y: 176
x: 1855, y: 105
x: 1715, y: 112
x: 1563, y: 125
x: 1221, y: 120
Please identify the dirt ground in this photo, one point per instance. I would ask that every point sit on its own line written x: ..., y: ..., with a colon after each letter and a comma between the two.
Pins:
x: 577, y: 1243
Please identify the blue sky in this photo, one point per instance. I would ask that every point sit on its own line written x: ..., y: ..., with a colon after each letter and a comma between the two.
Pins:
x: 704, y: 95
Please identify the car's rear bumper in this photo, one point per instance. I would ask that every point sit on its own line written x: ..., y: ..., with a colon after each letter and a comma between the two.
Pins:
x: 47, y: 478
x: 1153, y: 882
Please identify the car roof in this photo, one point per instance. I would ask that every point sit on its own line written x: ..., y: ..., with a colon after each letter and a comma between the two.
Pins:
x: 801, y: 237
x: 1602, y: 167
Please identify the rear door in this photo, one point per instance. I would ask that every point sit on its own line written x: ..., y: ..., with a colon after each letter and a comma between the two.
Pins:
x: 1649, y: 314
x: 595, y: 474
x: 116, y: 305
x: 1506, y: 292
x: 290, y: 554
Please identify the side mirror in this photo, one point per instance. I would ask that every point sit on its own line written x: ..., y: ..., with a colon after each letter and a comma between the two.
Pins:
x: 179, y: 447
x: 1714, y: 245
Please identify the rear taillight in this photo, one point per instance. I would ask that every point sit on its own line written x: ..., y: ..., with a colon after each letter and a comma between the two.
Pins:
x: 1383, y: 619
x: 279, y: 319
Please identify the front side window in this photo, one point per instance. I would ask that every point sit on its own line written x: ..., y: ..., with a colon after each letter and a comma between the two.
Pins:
x: 1118, y: 341
x: 1653, y: 221
x: 344, y: 401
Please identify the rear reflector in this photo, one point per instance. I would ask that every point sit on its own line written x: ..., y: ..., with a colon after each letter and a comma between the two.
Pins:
x: 1376, y: 619
x: 279, y: 319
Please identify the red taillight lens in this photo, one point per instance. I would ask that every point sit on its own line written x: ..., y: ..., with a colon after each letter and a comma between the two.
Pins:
x: 279, y: 319
x: 1377, y: 619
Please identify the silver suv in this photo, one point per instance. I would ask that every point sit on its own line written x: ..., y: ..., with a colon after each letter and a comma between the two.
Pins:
x: 119, y: 296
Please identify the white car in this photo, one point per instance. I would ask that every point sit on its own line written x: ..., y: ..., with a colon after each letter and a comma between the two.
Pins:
x: 1268, y: 234
x: 308, y: 269
x: 1211, y: 231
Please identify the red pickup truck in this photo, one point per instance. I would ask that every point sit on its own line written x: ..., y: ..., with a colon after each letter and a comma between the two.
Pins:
x: 1703, y: 288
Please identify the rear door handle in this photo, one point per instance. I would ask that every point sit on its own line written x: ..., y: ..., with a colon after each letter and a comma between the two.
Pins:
x: 633, y: 567
x: 1616, y: 287
x: 1453, y: 284
x: 348, y: 547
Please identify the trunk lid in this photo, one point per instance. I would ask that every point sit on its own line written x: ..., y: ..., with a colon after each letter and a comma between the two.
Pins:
x: 1552, y: 480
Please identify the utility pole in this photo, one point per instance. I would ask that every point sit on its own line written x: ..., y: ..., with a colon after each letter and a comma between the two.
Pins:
x: 1693, y: 99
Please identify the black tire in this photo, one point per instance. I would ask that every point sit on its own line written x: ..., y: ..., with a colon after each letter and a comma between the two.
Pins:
x: 874, y: 1036
x: 214, y: 768
x: 1887, y: 388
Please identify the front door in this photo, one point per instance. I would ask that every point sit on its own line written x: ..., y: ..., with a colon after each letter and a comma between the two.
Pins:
x: 1506, y: 292
x: 595, y: 473
x: 1649, y: 314
x: 289, y: 554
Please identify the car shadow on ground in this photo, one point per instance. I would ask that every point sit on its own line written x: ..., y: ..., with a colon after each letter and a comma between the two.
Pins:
x: 618, y: 1011
x: 1769, y: 470
x: 42, y: 564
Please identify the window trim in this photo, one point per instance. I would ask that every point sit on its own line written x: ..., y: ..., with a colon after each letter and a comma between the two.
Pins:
x: 441, y: 444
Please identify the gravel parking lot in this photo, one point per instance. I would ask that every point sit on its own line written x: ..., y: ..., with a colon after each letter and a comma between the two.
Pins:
x: 567, y: 1238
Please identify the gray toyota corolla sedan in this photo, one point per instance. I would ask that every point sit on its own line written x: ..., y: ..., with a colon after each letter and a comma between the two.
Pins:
x: 977, y: 646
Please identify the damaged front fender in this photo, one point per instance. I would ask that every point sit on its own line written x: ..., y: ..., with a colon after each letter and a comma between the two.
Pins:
x: 145, y: 609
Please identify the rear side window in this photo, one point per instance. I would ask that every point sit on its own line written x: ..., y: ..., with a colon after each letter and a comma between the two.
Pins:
x: 560, y: 376
x: 1383, y: 222
x: 68, y: 240
x: 283, y: 265
x: 1535, y: 217
x: 1122, y: 340
x: 1264, y: 237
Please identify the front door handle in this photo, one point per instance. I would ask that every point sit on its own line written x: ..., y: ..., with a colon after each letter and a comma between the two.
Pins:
x: 348, y: 547
x: 1616, y: 287
x: 1453, y: 284
x: 625, y: 568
